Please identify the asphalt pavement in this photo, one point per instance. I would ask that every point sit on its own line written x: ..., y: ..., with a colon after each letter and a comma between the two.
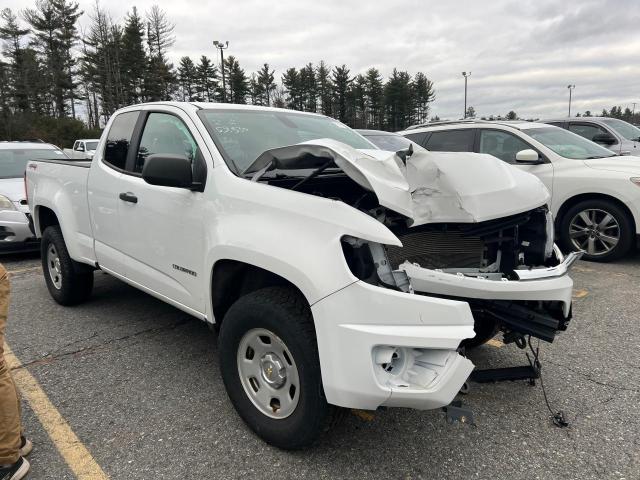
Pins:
x: 137, y: 381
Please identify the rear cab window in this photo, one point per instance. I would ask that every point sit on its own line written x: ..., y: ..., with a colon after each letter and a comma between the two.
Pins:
x: 118, y: 140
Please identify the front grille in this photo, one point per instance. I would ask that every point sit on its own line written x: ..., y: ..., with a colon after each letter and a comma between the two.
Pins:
x: 438, y: 250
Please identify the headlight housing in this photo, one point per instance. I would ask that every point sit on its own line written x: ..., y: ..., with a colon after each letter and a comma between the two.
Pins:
x: 6, y: 204
x: 635, y: 180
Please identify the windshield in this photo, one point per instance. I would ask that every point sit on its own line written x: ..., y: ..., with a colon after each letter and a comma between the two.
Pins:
x: 91, y: 145
x: 13, y: 162
x: 567, y: 144
x: 623, y: 128
x: 242, y: 135
x: 390, y: 143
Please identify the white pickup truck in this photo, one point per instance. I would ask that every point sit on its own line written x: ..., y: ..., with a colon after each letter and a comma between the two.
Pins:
x: 338, y: 275
x: 82, y: 149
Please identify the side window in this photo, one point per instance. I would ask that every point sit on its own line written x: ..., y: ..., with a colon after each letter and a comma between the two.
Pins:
x: 119, y: 138
x: 75, y: 145
x: 502, y: 145
x: 451, y: 141
x: 587, y: 131
x: 165, y: 133
x: 418, y: 138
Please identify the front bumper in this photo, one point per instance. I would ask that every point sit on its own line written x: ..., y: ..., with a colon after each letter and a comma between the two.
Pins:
x: 352, y: 324
x: 15, y: 232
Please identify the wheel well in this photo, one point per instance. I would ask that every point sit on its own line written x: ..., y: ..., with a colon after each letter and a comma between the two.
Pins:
x: 232, y: 279
x: 593, y: 196
x: 46, y: 218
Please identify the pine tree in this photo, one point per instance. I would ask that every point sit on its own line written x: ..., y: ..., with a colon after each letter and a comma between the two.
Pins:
x: 325, y: 88
x: 308, y: 88
x: 133, y: 58
x: 15, y: 83
x: 206, y: 80
x: 374, y: 91
x: 238, y: 83
x: 160, y: 78
x: 423, y: 95
x: 341, y: 82
x: 266, y: 84
x: 358, y: 97
x: 291, y: 83
x: 398, y: 100
x: 511, y: 115
x: 187, y: 77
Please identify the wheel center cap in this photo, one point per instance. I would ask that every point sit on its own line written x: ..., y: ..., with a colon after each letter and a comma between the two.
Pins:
x: 273, y: 370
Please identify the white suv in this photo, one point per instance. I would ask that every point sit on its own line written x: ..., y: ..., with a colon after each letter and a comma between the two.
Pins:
x: 595, y: 193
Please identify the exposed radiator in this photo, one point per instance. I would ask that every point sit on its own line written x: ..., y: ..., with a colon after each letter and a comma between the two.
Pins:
x: 437, y: 250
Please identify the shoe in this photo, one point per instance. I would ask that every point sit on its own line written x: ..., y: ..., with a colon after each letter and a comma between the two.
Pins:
x: 25, y: 446
x: 16, y: 471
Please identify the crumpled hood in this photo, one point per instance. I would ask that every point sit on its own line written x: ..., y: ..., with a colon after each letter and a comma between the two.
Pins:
x: 441, y: 187
x: 623, y: 164
x: 12, y: 188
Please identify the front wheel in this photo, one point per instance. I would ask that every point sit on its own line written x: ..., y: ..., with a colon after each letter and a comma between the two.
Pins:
x: 271, y: 369
x: 599, y: 227
x: 68, y: 282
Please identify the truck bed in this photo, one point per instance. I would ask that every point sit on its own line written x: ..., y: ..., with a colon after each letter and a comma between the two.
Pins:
x: 61, y: 187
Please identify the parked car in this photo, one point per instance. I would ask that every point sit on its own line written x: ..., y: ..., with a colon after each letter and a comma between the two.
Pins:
x: 339, y: 275
x: 617, y: 135
x: 389, y: 141
x: 15, y: 233
x: 82, y: 149
x: 595, y: 194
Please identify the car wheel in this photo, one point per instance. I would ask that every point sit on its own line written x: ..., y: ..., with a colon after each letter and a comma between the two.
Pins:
x: 68, y: 282
x: 599, y: 227
x: 271, y: 369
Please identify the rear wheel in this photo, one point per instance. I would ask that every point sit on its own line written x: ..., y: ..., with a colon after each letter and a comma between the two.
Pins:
x: 599, y: 227
x: 68, y: 282
x: 271, y: 369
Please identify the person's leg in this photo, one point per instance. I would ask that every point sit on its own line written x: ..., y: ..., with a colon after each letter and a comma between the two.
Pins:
x: 9, y: 402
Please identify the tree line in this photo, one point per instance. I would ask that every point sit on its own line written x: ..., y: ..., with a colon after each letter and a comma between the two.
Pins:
x: 53, y: 73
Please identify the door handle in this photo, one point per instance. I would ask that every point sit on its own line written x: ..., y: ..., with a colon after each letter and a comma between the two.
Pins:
x: 128, y: 197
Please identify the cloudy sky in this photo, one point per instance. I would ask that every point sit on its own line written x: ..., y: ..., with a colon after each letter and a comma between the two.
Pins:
x: 522, y: 53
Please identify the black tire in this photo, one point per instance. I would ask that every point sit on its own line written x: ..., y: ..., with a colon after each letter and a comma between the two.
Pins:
x: 284, y: 312
x: 485, y: 328
x: 625, y: 223
x: 75, y: 282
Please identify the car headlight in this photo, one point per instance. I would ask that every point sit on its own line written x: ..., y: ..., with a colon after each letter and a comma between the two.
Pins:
x: 548, y: 245
x: 6, y: 204
x: 635, y: 180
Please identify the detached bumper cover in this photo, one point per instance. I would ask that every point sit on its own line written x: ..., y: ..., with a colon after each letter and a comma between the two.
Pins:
x: 549, y: 284
x: 353, y: 322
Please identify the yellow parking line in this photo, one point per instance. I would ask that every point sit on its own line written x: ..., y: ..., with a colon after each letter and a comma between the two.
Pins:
x: 80, y: 461
x: 494, y: 342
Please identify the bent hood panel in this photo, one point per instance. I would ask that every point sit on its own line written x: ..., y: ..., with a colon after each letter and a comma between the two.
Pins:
x: 441, y: 187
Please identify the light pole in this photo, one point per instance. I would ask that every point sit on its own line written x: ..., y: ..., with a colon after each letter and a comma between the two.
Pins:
x: 222, y: 46
x: 570, y: 87
x: 465, y: 75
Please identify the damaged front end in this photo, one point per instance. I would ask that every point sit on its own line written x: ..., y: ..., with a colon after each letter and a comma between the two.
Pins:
x: 472, y: 228
x: 507, y: 270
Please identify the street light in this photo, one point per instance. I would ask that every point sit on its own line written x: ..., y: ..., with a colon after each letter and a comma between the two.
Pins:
x: 222, y: 46
x: 465, y: 75
x: 570, y: 87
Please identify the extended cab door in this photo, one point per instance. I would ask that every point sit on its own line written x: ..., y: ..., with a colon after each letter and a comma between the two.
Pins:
x: 505, y: 145
x: 163, y: 228
x: 103, y: 186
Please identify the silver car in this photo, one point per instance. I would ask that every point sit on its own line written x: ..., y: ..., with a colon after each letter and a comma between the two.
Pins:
x: 15, y: 230
x: 617, y: 135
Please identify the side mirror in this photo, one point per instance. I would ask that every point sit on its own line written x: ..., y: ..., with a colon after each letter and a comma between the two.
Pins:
x: 81, y: 148
x: 528, y: 157
x: 168, y: 170
x: 604, y: 138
